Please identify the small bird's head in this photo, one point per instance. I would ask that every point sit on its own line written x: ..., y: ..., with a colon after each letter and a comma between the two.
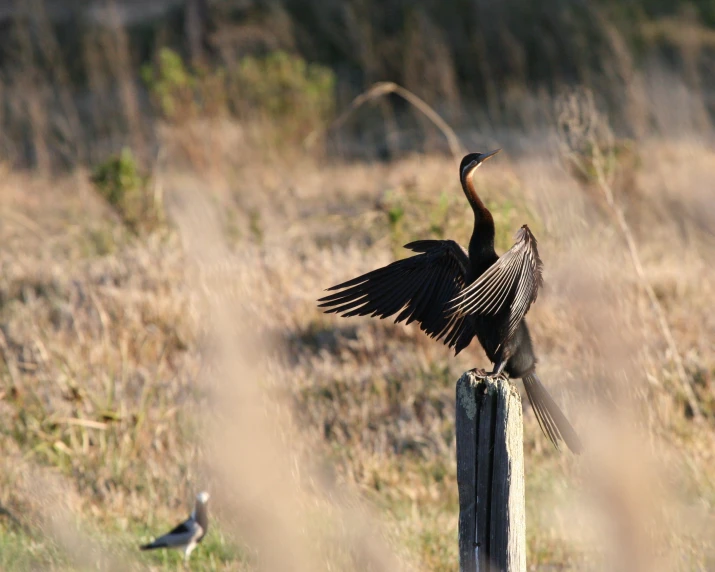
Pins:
x: 203, y: 497
x: 472, y: 161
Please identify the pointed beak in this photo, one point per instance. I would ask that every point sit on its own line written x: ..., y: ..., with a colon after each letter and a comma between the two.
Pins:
x: 484, y: 156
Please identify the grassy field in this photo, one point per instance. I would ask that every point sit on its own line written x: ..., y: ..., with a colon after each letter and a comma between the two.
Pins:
x: 140, y: 368
x: 159, y: 333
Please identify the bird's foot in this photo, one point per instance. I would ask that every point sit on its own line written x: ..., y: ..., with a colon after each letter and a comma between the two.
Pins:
x: 478, y: 372
x: 498, y: 374
x: 481, y: 374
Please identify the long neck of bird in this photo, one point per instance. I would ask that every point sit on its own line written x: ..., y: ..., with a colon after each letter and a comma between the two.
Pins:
x: 483, y: 234
x: 200, y: 515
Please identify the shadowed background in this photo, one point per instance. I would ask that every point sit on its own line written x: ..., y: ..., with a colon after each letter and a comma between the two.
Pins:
x: 175, y: 195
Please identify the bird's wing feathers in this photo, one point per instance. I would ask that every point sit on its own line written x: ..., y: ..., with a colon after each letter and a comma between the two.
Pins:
x: 186, y: 526
x: 181, y: 535
x: 511, y: 284
x: 418, y: 287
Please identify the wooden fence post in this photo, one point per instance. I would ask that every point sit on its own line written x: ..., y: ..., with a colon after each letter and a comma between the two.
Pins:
x: 490, y: 475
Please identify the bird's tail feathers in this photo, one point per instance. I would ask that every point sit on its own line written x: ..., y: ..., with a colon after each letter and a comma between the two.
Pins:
x: 551, y: 419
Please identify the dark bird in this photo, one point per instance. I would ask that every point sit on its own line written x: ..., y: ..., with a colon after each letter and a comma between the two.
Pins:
x: 456, y: 295
x: 187, y: 534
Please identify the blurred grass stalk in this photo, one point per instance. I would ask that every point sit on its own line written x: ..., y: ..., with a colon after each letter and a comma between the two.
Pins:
x: 587, y: 142
x: 266, y: 486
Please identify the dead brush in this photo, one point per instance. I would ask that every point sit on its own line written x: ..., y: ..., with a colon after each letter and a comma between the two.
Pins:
x: 588, y: 144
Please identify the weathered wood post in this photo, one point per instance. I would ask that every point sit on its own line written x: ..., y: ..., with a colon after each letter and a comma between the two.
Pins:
x: 490, y: 475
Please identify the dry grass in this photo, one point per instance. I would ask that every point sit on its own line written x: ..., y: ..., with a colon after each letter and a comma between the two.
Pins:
x: 138, y: 370
x: 140, y: 365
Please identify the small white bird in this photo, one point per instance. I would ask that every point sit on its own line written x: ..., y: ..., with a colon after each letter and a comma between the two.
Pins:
x: 189, y: 533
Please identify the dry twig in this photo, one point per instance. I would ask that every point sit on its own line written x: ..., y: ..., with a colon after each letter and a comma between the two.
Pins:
x: 384, y: 88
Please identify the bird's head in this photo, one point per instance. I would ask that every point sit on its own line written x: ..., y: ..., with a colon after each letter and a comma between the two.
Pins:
x: 203, y: 497
x: 472, y: 161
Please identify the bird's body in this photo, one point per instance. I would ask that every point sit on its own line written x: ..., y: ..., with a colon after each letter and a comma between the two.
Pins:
x: 188, y: 534
x: 456, y: 295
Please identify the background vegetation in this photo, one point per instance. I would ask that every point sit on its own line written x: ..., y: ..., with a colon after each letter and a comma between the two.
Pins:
x: 180, y: 183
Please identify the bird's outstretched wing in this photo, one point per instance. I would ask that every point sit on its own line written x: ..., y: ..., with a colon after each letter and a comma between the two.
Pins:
x: 508, y: 286
x: 419, y: 287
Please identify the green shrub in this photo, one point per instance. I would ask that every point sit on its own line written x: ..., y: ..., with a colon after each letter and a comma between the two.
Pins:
x: 284, y: 88
x: 122, y: 185
x: 293, y: 96
x: 171, y: 85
